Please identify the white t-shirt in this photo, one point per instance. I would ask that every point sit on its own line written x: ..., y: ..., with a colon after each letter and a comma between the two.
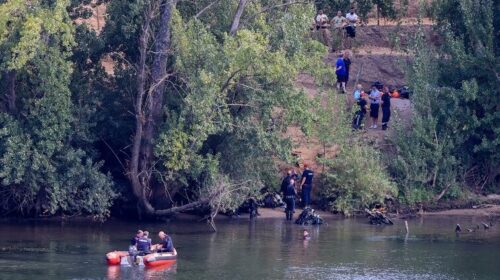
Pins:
x: 352, y: 18
x: 321, y: 19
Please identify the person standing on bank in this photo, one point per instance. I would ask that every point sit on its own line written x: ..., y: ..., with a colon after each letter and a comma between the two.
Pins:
x: 306, y: 185
x: 347, y: 63
x: 290, y: 194
x: 352, y: 19
x: 340, y: 71
x: 374, y: 105
x: 386, y: 107
x: 285, y: 182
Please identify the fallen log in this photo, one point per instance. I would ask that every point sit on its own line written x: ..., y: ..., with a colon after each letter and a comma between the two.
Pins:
x: 378, y: 218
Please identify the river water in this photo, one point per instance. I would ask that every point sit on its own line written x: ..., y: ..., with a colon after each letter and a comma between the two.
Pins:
x: 260, y: 249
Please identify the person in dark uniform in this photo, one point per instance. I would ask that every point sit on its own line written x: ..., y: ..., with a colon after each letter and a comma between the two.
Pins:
x: 285, y: 182
x: 166, y: 244
x: 144, y: 245
x: 290, y: 194
x: 306, y: 185
x: 386, y: 107
x: 347, y: 62
x: 138, y: 235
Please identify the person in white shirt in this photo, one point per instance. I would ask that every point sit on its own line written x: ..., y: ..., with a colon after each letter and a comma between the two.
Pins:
x: 321, y: 20
x: 352, y: 19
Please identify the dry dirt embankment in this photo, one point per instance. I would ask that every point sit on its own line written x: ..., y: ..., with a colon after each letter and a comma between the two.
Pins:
x: 375, y: 56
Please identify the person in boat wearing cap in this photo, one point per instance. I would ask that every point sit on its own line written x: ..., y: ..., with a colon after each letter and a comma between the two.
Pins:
x: 306, y: 185
x: 166, y: 244
x: 144, y: 244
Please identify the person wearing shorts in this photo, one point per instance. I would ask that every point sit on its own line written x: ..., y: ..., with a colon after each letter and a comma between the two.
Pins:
x: 341, y: 71
x: 352, y: 19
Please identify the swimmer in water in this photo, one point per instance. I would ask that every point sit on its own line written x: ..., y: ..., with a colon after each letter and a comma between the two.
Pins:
x: 306, y: 235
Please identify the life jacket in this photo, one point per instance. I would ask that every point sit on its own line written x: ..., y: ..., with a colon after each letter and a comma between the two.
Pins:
x: 143, y: 244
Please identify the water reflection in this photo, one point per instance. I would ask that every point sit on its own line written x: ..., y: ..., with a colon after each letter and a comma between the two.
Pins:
x: 117, y: 272
x: 260, y: 249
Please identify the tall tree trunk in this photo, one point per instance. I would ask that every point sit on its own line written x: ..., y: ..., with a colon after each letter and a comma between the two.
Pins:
x: 236, y: 20
x: 133, y: 173
x: 149, y: 102
x: 11, y: 92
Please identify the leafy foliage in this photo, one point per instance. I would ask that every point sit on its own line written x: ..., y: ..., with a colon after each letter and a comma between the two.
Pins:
x: 41, y: 168
x: 453, y: 142
x: 356, y: 176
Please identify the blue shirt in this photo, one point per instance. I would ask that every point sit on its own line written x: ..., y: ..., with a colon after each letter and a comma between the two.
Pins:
x: 357, y: 94
x: 308, y: 174
x: 340, y: 64
x: 167, y: 244
x: 375, y: 97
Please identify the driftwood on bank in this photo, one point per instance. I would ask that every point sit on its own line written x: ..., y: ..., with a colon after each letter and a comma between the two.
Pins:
x: 378, y: 218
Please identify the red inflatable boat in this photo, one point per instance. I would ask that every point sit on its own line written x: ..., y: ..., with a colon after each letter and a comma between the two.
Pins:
x: 149, y: 260
x: 160, y: 259
x: 114, y: 258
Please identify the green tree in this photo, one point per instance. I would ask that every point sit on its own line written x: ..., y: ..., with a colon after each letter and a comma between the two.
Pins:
x: 220, y: 101
x: 355, y: 176
x: 42, y: 169
x: 453, y: 143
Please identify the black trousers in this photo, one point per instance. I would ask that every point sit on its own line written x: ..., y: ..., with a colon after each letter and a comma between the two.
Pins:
x: 290, y: 207
x: 386, y: 116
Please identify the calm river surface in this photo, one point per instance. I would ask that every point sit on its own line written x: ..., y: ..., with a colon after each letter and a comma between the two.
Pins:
x: 262, y: 249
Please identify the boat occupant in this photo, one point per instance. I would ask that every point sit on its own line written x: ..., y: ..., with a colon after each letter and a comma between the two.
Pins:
x: 144, y: 244
x: 166, y: 244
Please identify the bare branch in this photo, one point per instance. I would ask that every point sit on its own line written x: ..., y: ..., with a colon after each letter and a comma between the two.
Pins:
x: 236, y: 20
x: 205, y: 9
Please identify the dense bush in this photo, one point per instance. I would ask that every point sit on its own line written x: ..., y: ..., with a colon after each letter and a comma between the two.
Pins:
x: 453, y: 141
x: 355, y: 177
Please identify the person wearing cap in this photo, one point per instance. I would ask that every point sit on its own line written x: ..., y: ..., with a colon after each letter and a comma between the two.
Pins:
x: 306, y: 185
